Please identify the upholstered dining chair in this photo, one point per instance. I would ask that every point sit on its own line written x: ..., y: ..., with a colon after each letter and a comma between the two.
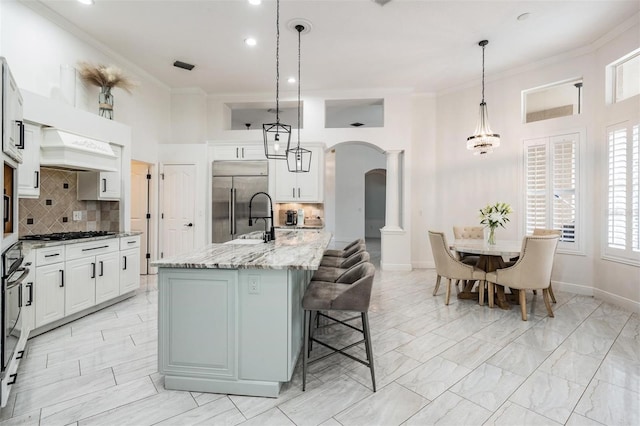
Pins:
x: 532, y: 271
x: 341, y: 253
x: 449, y: 267
x: 468, y: 233
x: 542, y: 231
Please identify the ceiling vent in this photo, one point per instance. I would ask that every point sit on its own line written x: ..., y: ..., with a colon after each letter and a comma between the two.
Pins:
x: 356, y: 124
x: 381, y: 2
x: 183, y: 65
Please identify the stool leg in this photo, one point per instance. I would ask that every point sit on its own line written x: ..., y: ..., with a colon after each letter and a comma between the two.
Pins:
x: 307, y: 321
x: 367, y: 342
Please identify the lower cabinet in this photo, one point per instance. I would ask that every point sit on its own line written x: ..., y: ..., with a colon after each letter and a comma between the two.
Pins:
x: 107, y: 277
x: 129, y: 270
x: 49, y: 293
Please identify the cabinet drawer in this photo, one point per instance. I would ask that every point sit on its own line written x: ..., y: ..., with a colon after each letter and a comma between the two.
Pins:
x: 129, y: 242
x: 92, y: 248
x: 49, y: 255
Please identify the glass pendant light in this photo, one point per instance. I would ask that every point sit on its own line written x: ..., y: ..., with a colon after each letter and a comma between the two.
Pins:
x: 483, y: 140
x: 299, y: 159
x: 277, y: 136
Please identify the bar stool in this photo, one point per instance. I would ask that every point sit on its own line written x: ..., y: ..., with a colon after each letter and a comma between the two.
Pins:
x: 330, y: 273
x: 335, y: 262
x: 340, y: 253
x: 352, y: 293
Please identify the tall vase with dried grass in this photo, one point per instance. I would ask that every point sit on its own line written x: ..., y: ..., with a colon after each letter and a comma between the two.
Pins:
x: 106, y: 78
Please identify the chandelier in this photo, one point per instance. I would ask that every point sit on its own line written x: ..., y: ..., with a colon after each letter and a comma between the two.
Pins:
x: 483, y: 139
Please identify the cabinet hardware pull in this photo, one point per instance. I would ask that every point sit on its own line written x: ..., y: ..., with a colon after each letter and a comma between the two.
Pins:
x: 52, y: 255
x: 236, y: 152
x: 243, y: 152
x: 94, y: 248
x: 293, y: 192
x: 37, y: 173
x: 104, y: 185
x: 298, y: 192
x: 30, y: 287
x: 20, y: 144
x: 19, y: 354
x: 130, y: 242
x: 125, y: 263
x: 12, y: 379
x: 20, y: 297
x: 101, y: 268
x: 61, y: 277
x: 7, y: 208
x: 93, y: 270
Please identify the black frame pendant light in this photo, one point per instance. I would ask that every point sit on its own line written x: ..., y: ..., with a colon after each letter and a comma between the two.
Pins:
x: 299, y: 159
x: 483, y: 140
x: 276, y: 134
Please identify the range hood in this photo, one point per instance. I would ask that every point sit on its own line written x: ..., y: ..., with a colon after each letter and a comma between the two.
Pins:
x: 64, y: 150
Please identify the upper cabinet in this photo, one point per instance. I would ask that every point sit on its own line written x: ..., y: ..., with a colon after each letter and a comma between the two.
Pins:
x: 238, y: 151
x: 101, y: 185
x: 29, y: 170
x: 301, y: 187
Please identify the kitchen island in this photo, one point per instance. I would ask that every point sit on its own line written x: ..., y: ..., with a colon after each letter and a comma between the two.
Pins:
x: 230, y: 318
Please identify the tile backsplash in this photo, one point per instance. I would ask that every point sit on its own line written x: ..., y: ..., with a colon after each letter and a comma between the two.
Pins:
x: 311, y: 211
x: 53, y: 211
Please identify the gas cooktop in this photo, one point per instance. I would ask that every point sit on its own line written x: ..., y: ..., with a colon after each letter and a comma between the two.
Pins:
x: 62, y: 236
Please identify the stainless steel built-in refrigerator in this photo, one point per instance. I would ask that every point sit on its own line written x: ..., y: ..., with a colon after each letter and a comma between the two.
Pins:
x: 234, y: 183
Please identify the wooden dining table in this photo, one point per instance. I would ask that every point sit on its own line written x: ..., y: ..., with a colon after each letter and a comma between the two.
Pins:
x: 491, y: 257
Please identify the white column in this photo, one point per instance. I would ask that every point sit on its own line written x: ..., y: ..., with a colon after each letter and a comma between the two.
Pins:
x: 392, y: 208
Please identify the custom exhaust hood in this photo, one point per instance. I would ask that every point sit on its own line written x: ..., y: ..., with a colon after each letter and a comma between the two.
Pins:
x: 69, y: 151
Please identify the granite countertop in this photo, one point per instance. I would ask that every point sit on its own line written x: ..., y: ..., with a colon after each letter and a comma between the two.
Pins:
x: 291, y: 250
x: 299, y: 227
x: 34, y: 244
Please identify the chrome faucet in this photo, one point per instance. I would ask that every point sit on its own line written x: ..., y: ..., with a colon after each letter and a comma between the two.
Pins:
x: 272, y: 232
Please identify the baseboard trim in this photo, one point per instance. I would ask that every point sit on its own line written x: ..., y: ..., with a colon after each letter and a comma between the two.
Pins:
x: 396, y: 267
x: 615, y: 299
x: 573, y: 288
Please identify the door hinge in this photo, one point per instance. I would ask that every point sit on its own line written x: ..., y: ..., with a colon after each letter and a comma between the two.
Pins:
x: 147, y: 256
x: 162, y: 216
x: 162, y: 176
x: 148, y: 215
x: 148, y: 176
x: 161, y: 255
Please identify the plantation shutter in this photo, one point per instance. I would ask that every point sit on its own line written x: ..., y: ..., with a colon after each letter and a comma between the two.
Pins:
x: 635, y: 189
x: 564, y: 187
x: 536, y: 185
x: 617, y: 200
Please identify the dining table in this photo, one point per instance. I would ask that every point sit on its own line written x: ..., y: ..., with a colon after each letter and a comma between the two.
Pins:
x: 490, y: 258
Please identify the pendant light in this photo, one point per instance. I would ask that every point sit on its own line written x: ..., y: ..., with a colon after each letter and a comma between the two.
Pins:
x: 299, y: 159
x: 276, y: 135
x: 483, y: 140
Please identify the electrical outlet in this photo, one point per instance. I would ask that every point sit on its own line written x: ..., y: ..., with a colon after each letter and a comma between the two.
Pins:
x: 254, y: 284
x: 77, y: 215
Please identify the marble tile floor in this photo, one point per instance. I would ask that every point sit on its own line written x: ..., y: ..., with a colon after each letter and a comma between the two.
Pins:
x: 461, y: 364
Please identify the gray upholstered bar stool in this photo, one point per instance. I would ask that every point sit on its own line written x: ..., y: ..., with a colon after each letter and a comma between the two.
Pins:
x: 352, y: 293
x: 340, y: 253
x: 335, y: 262
x: 331, y: 273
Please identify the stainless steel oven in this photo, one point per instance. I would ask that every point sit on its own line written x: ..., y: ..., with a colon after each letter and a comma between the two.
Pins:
x: 13, y: 273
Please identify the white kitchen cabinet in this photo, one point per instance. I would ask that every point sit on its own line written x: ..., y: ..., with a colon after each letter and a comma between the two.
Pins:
x: 238, y: 152
x: 49, y: 293
x: 301, y: 187
x: 129, y: 263
x: 80, y: 292
x: 29, y: 170
x: 27, y: 313
x: 107, y: 277
x: 101, y: 185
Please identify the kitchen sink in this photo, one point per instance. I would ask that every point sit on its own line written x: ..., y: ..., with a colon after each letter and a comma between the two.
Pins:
x: 244, y: 241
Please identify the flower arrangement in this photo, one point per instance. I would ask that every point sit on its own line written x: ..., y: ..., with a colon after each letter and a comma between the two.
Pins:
x: 493, y: 216
x: 105, y: 77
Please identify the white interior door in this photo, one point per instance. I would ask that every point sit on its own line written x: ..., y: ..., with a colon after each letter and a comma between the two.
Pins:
x: 178, y: 208
x: 139, y: 208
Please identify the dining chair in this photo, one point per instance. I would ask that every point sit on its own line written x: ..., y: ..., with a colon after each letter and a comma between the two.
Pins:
x: 532, y: 271
x: 468, y: 233
x: 449, y: 267
x: 542, y: 231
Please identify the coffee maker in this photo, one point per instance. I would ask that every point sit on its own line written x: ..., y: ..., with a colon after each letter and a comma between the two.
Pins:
x: 292, y: 217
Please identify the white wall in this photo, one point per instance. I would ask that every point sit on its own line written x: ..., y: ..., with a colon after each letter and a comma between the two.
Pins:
x: 188, y: 116
x: 465, y: 183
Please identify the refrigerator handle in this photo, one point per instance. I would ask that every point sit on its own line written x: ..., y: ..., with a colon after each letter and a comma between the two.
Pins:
x: 231, y: 211
x: 235, y: 194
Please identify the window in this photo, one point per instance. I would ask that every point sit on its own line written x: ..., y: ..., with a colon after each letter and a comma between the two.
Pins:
x: 626, y: 77
x: 551, y: 181
x: 623, y: 194
x: 554, y: 100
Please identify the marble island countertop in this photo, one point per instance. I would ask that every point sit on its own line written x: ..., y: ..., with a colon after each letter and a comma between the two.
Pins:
x: 291, y: 250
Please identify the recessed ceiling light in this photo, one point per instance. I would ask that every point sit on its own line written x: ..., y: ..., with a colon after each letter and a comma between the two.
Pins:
x: 291, y: 80
x: 250, y: 41
x: 255, y: 2
x: 86, y: 1
x: 524, y: 16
